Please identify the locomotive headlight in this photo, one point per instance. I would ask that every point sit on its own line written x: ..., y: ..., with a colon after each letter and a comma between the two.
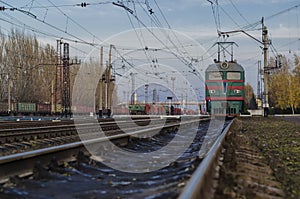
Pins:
x: 212, y: 91
x: 236, y: 91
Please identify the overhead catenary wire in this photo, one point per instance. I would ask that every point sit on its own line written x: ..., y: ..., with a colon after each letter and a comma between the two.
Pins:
x: 21, y: 25
x: 169, y: 27
x: 68, y: 18
x: 132, y: 66
x: 237, y: 10
x: 75, y: 22
x: 229, y: 16
x: 66, y: 5
x: 182, y: 59
x: 78, y: 39
x: 255, y: 24
x: 58, y: 29
x: 142, y: 39
x: 142, y: 70
x: 215, y: 14
x: 152, y: 15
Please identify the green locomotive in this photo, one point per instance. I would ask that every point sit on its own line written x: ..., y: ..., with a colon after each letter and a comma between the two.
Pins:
x: 225, y: 84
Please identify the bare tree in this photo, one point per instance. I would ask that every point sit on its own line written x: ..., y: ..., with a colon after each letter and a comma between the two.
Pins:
x: 26, y: 62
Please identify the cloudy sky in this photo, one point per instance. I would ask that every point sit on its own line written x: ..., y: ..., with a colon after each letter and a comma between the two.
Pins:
x: 195, y: 22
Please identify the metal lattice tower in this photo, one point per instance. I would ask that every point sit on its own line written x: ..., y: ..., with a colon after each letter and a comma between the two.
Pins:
x: 66, y: 101
x: 58, y: 77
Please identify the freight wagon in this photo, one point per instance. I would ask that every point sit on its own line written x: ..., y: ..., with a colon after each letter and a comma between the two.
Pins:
x: 26, y: 108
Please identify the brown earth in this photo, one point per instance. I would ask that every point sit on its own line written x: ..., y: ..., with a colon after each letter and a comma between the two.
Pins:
x: 261, y: 159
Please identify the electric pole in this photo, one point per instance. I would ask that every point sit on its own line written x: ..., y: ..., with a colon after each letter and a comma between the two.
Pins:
x: 173, y: 79
x: 133, y: 96
x: 265, y: 42
x: 146, y: 93
x: 109, y: 82
x: 266, y: 72
x: 66, y: 102
x: 8, y: 95
x: 101, y: 85
x: 259, y: 78
x: 66, y: 93
x: 58, y: 89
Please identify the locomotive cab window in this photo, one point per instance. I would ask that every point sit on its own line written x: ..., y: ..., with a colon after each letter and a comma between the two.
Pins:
x: 234, y: 75
x: 215, y: 76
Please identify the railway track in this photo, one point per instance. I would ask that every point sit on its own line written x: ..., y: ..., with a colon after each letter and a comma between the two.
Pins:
x: 203, y: 182
x: 234, y: 168
x: 167, y: 181
x: 30, y: 138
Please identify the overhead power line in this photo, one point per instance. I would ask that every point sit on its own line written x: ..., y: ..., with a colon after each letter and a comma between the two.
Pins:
x: 3, y: 8
x: 75, y: 22
x: 255, y: 24
x: 282, y: 12
x: 181, y: 58
x: 237, y: 10
x: 83, y: 4
x: 52, y: 26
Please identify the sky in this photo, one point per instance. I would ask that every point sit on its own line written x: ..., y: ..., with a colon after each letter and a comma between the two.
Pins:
x: 177, y: 33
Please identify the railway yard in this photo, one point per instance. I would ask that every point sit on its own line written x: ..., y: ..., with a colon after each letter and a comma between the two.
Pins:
x: 149, y: 99
x: 251, y: 158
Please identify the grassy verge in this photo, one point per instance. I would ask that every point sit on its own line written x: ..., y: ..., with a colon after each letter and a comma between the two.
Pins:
x: 279, y: 143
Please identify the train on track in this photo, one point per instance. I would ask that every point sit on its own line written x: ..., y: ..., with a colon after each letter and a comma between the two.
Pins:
x: 224, y: 85
x: 45, y: 109
x: 152, y: 109
x: 38, y: 109
x: 20, y: 108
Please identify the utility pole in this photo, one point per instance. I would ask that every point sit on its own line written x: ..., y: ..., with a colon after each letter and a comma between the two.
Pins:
x: 258, y: 80
x: 146, y: 93
x: 8, y: 95
x: 101, y: 85
x: 173, y: 79
x: 58, y: 78
x: 66, y: 93
x: 66, y: 101
x: 154, y: 99
x: 266, y: 72
x: 109, y: 80
x: 106, y: 87
x: 265, y: 42
x: 52, y: 97
x: 133, y: 96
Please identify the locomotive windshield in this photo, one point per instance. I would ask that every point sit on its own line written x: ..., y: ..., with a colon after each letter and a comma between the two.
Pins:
x: 215, y: 75
x: 234, y: 75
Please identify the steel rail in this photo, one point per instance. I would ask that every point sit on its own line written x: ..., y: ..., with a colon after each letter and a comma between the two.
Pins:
x: 109, y: 129
x: 64, y: 126
x: 17, y: 134
x: 201, y: 183
x: 11, y: 166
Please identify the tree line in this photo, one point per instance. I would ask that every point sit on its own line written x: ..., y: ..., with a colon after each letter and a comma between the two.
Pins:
x: 27, y: 66
x: 284, y: 87
x: 284, y: 84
